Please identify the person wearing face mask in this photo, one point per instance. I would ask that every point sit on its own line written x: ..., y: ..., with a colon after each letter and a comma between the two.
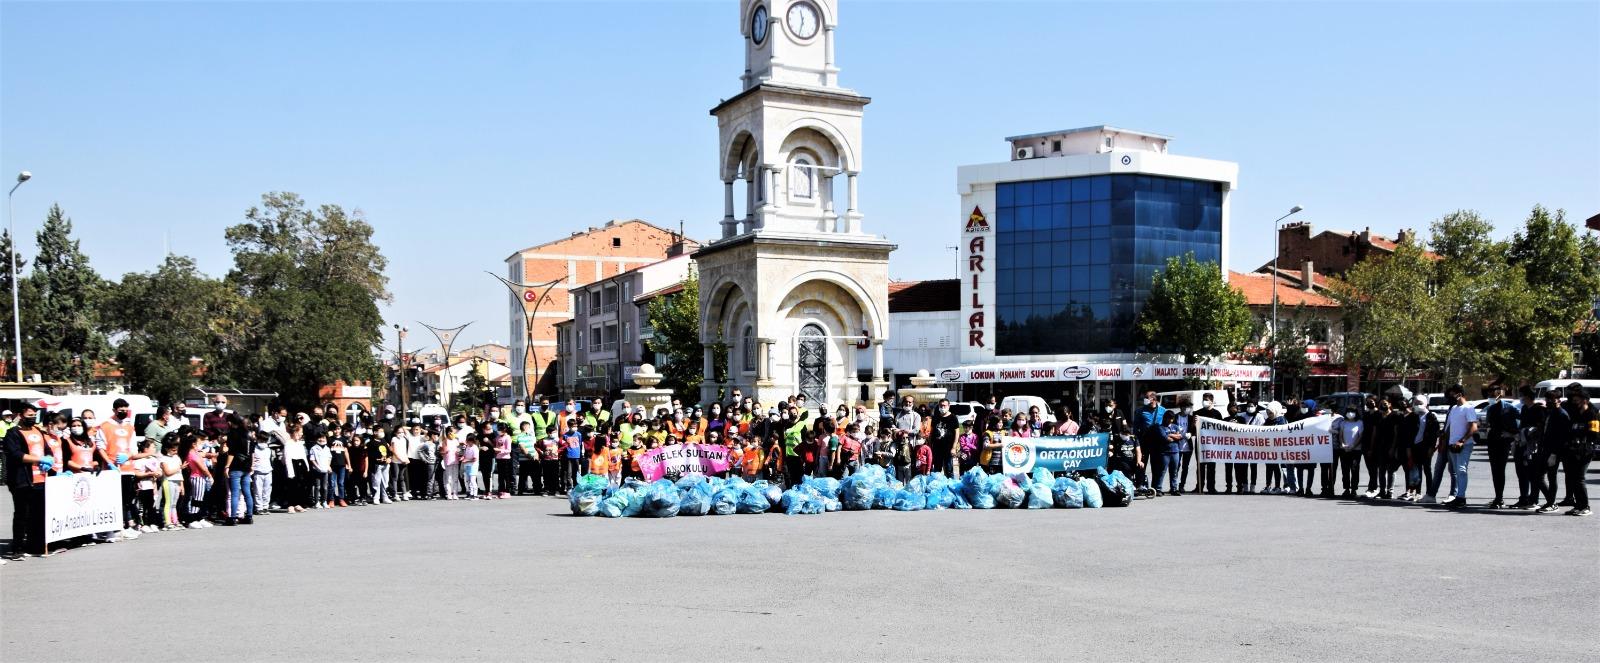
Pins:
x: 1347, y: 435
x: 1147, y: 428
x: 1419, y: 434
x: 942, y: 438
x: 1206, y: 477
x: 216, y: 421
x: 158, y: 426
x: 261, y: 473
x: 28, y: 463
x: 1125, y: 453
x: 1186, y: 423
x: 114, y: 439
x: 793, y: 426
x: 1244, y: 474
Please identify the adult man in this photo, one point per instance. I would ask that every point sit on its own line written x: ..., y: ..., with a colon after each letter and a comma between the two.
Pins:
x: 1206, y: 477
x: 1502, y: 420
x: 216, y: 421
x: 1147, y: 427
x: 8, y: 420
x: 1461, y: 427
x: 906, y: 419
x: 943, y: 433
x: 158, y: 427
x: 114, y: 440
x: 1580, y: 449
x: 28, y: 463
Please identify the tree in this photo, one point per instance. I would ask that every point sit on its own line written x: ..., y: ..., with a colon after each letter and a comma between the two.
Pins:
x: 25, y: 293
x: 1191, y: 311
x: 676, y: 321
x: 311, y: 280
x: 1483, y: 299
x: 62, y: 338
x: 475, y: 395
x: 1391, y: 318
x: 166, y: 319
x: 1564, y: 270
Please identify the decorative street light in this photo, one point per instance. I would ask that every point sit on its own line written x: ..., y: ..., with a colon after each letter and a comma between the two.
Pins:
x: 529, y: 292
x: 1272, y: 387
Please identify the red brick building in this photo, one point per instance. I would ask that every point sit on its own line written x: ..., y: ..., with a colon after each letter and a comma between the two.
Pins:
x: 579, y: 259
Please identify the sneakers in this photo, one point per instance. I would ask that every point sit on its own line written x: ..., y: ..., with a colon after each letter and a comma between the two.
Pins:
x: 1370, y: 494
x: 196, y: 525
x: 1496, y: 504
x: 1580, y: 512
x: 1548, y: 508
x: 1429, y: 499
x: 343, y: 503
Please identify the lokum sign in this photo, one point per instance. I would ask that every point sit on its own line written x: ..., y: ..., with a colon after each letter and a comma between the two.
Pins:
x: 1304, y: 441
x: 1055, y: 453
x: 677, y: 460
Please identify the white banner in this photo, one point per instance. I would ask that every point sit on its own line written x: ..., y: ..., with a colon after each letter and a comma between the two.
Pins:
x: 1304, y: 441
x: 84, y: 503
x: 1050, y: 372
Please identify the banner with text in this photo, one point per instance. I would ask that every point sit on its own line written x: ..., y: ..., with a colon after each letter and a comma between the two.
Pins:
x: 1055, y: 453
x: 1304, y: 441
x: 674, y: 461
x: 81, y: 504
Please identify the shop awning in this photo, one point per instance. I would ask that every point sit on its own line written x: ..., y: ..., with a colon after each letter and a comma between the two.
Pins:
x: 1064, y: 372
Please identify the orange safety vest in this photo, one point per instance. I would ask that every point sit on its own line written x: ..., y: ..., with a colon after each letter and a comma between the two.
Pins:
x: 36, y: 447
x: 752, y: 459
x: 598, y: 464
x: 119, y: 440
x: 83, y: 456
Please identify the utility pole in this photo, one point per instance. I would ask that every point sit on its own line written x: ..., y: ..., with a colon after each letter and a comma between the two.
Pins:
x: 400, y: 372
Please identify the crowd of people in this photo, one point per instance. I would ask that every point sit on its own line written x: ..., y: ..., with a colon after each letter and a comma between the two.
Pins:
x: 231, y: 469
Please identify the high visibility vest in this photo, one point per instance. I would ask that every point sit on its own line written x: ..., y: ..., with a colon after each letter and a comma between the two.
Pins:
x: 598, y: 464
x: 119, y: 440
x: 82, y: 455
x: 36, y: 447
x: 593, y: 421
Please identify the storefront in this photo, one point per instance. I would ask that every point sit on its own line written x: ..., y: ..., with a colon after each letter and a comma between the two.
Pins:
x: 1076, y: 386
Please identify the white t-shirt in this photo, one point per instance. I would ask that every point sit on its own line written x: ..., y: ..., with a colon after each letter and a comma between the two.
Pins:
x: 1456, y: 423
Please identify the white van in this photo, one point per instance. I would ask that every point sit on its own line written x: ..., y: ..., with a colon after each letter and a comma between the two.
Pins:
x: 142, y: 407
x: 1590, y: 387
x: 1196, y: 397
x: 1022, y: 404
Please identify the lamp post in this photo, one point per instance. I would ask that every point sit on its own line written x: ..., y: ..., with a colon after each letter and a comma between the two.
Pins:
x: 16, y: 311
x: 400, y: 371
x: 1272, y: 387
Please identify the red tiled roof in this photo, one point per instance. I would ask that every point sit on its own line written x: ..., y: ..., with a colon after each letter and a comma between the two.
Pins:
x: 924, y: 296
x: 1257, y: 289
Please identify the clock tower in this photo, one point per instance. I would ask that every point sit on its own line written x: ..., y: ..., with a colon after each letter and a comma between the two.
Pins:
x: 795, y: 291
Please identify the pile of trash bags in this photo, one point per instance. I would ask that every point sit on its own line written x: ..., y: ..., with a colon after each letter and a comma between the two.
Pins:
x: 869, y: 488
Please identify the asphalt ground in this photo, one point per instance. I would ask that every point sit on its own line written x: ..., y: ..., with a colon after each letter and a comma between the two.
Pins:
x: 1195, y: 578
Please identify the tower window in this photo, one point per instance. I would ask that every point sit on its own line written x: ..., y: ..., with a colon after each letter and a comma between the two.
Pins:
x: 616, y: 241
x: 1055, y: 146
x: 800, y: 174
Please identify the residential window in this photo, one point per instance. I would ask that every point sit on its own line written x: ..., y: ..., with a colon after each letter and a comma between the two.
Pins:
x: 594, y: 339
x: 594, y: 302
x: 627, y: 292
x: 748, y: 345
x: 580, y: 339
x: 577, y: 302
x: 608, y: 299
x: 616, y: 241
x: 610, y: 337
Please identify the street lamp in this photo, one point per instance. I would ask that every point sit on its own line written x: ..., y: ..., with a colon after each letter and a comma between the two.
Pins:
x: 1272, y: 387
x: 400, y: 371
x: 16, y: 312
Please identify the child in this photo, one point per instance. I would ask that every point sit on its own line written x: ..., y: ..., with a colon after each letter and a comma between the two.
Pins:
x: 321, y: 465
x: 735, y: 461
x: 968, y: 443
x: 924, y: 458
x: 597, y: 464
x: 469, y: 466
x: 450, y: 463
x: 261, y: 471
x: 752, y: 462
x: 147, y: 468
x: 613, y: 454
x: 171, y: 482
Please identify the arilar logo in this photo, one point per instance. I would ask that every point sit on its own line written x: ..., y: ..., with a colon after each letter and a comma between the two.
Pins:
x: 976, y: 223
x: 82, y: 489
x: 1017, y: 454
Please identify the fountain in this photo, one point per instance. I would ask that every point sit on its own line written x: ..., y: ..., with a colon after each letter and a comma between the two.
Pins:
x: 646, y: 394
x: 922, y: 391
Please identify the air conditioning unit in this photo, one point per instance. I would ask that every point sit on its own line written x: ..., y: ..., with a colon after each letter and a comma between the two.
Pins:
x: 1024, y: 153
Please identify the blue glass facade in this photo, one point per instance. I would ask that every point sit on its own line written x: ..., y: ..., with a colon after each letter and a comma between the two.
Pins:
x: 1075, y: 256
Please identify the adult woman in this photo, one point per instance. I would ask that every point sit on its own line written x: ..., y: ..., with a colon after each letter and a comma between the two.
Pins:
x: 1347, y: 435
x: 1581, y: 447
x: 1067, y: 426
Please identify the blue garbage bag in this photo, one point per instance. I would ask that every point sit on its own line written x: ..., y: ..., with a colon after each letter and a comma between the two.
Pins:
x: 662, y: 500
x: 1010, y: 495
x: 753, y: 499
x: 1122, y: 489
x: 919, y: 483
x: 620, y: 502
x: 1091, y: 493
x: 856, y: 492
x: 1040, y: 493
x: 883, y: 498
x: 585, y: 497
x: 1068, y: 493
x: 830, y: 504
x: 695, y: 499
x: 906, y: 500
x: 825, y: 486
x: 872, y: 473
x: 801, y: 499
x: 725, y: 502
x: 940, y: 495
x: 973, y: 489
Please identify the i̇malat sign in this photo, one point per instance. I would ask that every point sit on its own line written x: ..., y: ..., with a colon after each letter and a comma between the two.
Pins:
x: 1062, y: 372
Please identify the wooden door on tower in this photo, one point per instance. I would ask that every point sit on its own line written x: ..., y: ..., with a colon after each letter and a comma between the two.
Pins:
x: 813, y: 364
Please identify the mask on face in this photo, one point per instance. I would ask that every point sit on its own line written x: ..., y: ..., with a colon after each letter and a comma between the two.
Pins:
x: 1350, y: 416
x: 90, y: 421
x: 520, y: 409
x: 1251, y: 409
x: 217, y: 406
x: 1419, y: 409
x: 1110, y: 409
x: 77, y: 430
x: 28, y: 422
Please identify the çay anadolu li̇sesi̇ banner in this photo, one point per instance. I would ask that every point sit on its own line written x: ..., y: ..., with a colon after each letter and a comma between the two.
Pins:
x: 81, y: 504
x: 1055, y: 453
x: 674, y: 461
x: 1304, y: 441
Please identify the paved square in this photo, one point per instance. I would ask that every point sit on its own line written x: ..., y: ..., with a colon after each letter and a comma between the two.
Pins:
x: 1197, y: 577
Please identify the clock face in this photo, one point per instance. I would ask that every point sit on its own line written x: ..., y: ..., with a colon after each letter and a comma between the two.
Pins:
x: 802, y: 19
x: 758, y: 25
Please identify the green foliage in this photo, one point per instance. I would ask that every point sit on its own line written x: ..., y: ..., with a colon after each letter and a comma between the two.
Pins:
x: 25, y: 294
x: 166, y: 318
x: 1482, y: 298
x: 676, y: 321
x: 1193, y: 312
x: 1391, y: 317
x: 1563, y: 273
x: 312, y: 280
x: 475, y: 395
x: 62, y: 338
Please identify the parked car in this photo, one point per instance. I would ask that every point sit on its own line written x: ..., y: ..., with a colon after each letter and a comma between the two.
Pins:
x: 1024, y: 403
x: 1437, y: 404
x: 966, y: 411
x: 1338, y: 402
x: 1171, y: 399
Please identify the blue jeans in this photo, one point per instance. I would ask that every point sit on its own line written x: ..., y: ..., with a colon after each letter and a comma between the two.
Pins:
x: 336, y: 481
x: 241, y: 485
x: 1168, y: 465
x: 1459, y: 460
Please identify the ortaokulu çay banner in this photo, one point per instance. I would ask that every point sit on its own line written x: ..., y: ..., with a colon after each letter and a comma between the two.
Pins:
x: 1054, y: 453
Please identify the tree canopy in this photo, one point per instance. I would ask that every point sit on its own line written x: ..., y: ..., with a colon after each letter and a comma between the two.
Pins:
x: 1193, y: 312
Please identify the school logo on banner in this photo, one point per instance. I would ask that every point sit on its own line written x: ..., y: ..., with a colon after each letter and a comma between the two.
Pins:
x: 1054, y: 453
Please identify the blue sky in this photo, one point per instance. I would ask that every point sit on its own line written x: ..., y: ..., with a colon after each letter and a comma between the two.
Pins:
x: 466, y: 131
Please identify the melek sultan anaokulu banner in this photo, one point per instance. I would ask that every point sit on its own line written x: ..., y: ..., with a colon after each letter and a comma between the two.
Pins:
x: 1304, y: 441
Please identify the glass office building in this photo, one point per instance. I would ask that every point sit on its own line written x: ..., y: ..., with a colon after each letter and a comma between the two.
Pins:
x: 1074, y: 256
